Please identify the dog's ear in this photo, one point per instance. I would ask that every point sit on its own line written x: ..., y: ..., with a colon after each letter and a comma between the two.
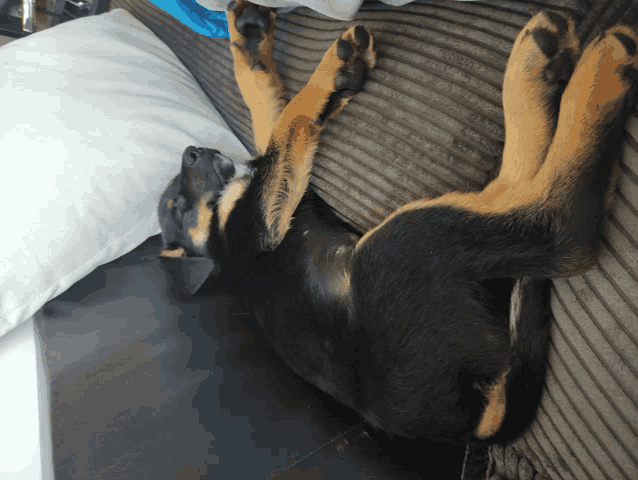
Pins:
x: 190, y: 273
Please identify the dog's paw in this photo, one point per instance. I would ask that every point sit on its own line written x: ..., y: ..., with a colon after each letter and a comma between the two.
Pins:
x: 355, y: 49
x: 344, y: 68
x: 549, y: 47
x: 555, y: 36
x: 607, y: 75
x: 250, y: 29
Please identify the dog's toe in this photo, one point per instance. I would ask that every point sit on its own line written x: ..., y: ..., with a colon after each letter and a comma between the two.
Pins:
x: 253, y: 22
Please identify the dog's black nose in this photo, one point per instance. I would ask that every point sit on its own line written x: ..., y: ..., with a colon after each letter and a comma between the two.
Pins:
x: 192, y: 155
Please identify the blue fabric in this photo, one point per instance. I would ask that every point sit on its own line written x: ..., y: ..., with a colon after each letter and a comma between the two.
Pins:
x: 199, y: 19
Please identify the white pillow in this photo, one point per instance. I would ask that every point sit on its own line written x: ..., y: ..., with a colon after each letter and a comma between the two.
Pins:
x: 96, y: 113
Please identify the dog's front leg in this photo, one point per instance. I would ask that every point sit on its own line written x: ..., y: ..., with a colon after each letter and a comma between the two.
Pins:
x: 251, y: 30
x: 288, y: 158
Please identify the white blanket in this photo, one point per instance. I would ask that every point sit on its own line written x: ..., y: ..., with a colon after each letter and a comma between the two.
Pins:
x: 339, y: 9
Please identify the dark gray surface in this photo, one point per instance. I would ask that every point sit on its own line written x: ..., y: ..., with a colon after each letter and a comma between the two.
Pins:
x: 146, y: 385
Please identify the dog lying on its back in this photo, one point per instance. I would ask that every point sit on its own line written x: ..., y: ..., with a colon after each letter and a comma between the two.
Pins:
x: 399, y: 323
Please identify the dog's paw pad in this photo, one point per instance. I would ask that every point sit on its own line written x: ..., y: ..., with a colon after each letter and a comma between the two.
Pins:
x: 627, y: 42
x: 344, y: 49
x: 622, y: 41
x: 344, y: 69
x: 546, y: 41
x: 560, y: 23
x: 250, y: 28
x: 253, y: 22
x: 355, y: 49
x: 362, y: 37
x: 554, y: 37
x: 353, y: 79
x: 559, y: 69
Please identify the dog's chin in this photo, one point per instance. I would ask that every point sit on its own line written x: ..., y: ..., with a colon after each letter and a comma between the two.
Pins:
x: 241, y: 170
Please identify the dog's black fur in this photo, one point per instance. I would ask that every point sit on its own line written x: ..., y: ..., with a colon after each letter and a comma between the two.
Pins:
x: 409, y: 327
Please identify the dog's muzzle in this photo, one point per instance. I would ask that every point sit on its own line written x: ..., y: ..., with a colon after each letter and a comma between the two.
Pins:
x: 195, y: 157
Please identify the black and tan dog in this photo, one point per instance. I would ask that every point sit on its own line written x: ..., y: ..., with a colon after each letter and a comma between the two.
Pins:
x: 400, y: 324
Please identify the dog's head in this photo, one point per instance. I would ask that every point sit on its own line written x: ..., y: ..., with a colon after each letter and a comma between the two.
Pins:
x: 189, y: 216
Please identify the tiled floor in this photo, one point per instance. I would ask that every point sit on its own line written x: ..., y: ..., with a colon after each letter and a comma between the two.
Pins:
x: 4, y: 40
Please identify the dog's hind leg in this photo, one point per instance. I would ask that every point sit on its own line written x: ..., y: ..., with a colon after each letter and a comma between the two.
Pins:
x: 341, y: 73
x: 251, y: 30
x: 540, y: 64
x: 570, y: 189
x: 573, y: 183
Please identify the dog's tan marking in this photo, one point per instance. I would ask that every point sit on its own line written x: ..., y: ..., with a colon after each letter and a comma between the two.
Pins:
x: 170, y: 203
x: 341, y: 282
x: 226, y: 203
x: 200, y: 232
x: 288, y: 178
x: 345, y: 283
x: 178, y: 252
x: 262, y: 90
x: 494, y: 412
